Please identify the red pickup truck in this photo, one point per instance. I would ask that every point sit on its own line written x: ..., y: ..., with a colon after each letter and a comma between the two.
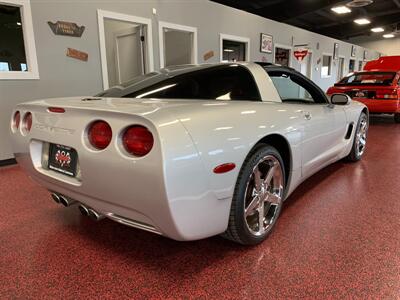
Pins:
x: 377, y: 86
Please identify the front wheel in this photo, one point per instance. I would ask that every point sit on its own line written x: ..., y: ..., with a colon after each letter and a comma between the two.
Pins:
x: 397, y: 117
x: 360, y: 139
x: 258, y: 197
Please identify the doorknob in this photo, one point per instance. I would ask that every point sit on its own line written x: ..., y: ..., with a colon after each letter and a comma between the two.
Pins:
x: 307, y: 115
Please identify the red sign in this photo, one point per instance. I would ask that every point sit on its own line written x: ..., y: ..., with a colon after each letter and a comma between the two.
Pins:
x: 300, y: 54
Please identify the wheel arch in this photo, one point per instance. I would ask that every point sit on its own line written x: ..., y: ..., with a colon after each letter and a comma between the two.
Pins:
x: 281, y: 144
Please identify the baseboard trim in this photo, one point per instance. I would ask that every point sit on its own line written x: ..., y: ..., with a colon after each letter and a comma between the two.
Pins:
x: 7, y: 162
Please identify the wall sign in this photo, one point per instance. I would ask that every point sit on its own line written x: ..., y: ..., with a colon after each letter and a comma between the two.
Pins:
x: 266, y: 43
x: 300, y: 54
x: 208, y: 55
x: 66, y: 28
x: 77, y: 54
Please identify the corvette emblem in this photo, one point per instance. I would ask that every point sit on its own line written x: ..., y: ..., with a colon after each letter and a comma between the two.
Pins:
x: 63, y: 158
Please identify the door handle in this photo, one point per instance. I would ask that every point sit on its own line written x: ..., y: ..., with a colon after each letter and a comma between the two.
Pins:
x: 307, y: 115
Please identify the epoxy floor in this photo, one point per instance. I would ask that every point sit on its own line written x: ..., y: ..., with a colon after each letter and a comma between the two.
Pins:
x: 338, y: 237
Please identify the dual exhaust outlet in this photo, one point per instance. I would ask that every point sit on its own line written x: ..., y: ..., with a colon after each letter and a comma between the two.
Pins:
x: 85, y: 211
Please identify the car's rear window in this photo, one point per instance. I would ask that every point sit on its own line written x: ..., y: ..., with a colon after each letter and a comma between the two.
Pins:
x: 368, y: 78
x: 225, y: 82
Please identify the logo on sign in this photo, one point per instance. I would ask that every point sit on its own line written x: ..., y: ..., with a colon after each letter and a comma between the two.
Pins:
x: 300, y: 54
x: 63, y: 158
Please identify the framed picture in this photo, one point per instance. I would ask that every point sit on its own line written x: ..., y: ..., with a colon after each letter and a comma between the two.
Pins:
x: 353, y: 51
x: 266, y: 43
x: 335, y: 51
x: 365, y: 55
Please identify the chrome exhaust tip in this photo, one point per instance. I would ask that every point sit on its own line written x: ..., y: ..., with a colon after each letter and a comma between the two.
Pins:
x: 55, y: 198
x: 84, y: 210
x: 94, y: 215
x: 66, y: 201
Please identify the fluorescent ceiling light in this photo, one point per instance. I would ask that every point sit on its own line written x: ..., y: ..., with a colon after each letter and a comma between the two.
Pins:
x: 341, y: 9
x: 377, y: 29
x: 388, y: 36
x: 228, y: 50
x: 362, y: 21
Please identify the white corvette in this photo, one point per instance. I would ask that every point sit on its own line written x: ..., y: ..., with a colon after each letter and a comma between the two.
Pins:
x: 191, y: 151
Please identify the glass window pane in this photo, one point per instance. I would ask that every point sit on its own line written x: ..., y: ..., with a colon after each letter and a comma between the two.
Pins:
x: 290, y: 91
x: 12, y: 48
x: 326, y: 65
x: 233, y: 51
x: 4, y: 66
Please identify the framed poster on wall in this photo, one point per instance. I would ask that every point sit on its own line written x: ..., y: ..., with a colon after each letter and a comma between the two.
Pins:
x: 266, y: 43
x: 353, y: 51
x: 335, y: 51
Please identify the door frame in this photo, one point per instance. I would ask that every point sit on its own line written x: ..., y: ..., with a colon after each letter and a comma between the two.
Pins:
x: 276, y: 45
x: 177, y: 27
x: 104, y: 14
x: 234, y: 38
x: 343, y: 66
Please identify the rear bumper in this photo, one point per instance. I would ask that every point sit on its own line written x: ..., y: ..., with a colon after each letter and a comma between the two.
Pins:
x: 381, y: 106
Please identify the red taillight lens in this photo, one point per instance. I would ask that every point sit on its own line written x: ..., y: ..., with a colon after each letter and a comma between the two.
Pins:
x: 100, y: 134
x: 386, y: 94
x: 16, y: 119
x: 137, y: 140
x: 58, y: 110
x: 27, y: 122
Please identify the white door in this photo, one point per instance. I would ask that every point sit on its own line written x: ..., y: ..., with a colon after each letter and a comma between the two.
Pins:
x: 129, y: 53
x: 340, y: 73
x: 306, y: 65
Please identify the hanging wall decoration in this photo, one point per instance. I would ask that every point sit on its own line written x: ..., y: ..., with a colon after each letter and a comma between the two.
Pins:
x: 336, y: 51
x: 266, y: 43
x: 208, y: 55
x: 77, y: 54
x: 300, y: 51
x: 66, y: 28
x: 353, y: 51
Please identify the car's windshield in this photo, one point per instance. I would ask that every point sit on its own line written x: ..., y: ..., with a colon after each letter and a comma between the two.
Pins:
x: 368, y: 78
x: 222, y: 82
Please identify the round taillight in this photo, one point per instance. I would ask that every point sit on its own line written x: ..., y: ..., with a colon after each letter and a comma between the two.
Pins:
x: 16, y: 119
x: 137, y: 140
x: 100, y: 134
x: 27, y: 122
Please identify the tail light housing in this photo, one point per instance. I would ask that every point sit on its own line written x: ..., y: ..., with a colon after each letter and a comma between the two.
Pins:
x: 137, y: 140
x: 387, y: 94
x: 27, y: 122
x: 99, y: 134
x: 16, y: 119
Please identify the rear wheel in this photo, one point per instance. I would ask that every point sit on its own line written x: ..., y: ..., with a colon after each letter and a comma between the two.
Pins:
x: 397, y: 117
x: 360, y: 139
x: 258, y: 197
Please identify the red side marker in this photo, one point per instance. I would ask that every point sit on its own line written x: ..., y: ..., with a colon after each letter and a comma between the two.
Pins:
x: 58, y: 110
x: 224, y: 168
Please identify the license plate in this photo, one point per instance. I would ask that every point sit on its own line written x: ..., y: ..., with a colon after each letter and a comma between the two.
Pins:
x: 63, y: 159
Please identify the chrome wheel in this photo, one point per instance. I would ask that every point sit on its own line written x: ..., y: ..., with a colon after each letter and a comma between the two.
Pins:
x: 361, y: 136
x: 263, y: 196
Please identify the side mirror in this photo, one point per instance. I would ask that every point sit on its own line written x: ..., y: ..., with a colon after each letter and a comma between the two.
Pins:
x: 340, y: 99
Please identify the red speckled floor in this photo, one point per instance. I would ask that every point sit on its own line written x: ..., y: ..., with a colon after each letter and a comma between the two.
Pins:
x: 338, y: 237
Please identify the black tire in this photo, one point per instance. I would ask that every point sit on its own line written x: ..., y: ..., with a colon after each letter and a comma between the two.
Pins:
x: 355, y: 153
x: 263, y: 157
x: 397, y: 118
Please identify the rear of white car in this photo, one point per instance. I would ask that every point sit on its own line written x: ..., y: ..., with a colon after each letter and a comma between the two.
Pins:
x: 63, y: 144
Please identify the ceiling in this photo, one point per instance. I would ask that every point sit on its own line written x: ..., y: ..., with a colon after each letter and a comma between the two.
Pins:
x: 316, y: 15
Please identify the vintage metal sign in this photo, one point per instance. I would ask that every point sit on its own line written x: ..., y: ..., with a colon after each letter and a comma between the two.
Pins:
x: 77, y: 54
x: 66, y: 28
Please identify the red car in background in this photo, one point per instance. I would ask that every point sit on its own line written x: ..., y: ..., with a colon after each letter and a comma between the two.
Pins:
x: 377, y: 86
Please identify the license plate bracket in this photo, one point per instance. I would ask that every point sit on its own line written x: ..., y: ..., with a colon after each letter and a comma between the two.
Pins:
x: 63, y: 159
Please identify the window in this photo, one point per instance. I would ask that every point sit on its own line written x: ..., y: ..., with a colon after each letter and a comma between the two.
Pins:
x: 326, y: 69
x: 368, y: 78
x: 360, y: 65
x: 352, y: 63
x: 295, y: 89
x: 234, y: 48
x: 17, y: 47
x: 228, y: 82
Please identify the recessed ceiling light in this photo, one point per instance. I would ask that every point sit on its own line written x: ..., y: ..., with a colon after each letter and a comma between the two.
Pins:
x: 228, y: 50
x: 341, y: 9
x: 388, y: 36
x: 362, y: 21
x: 19, y: 23
x: 377, y: 29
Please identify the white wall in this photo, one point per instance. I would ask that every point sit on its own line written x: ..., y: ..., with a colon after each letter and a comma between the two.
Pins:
x: 61, y: 76
x: 384, y: 46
